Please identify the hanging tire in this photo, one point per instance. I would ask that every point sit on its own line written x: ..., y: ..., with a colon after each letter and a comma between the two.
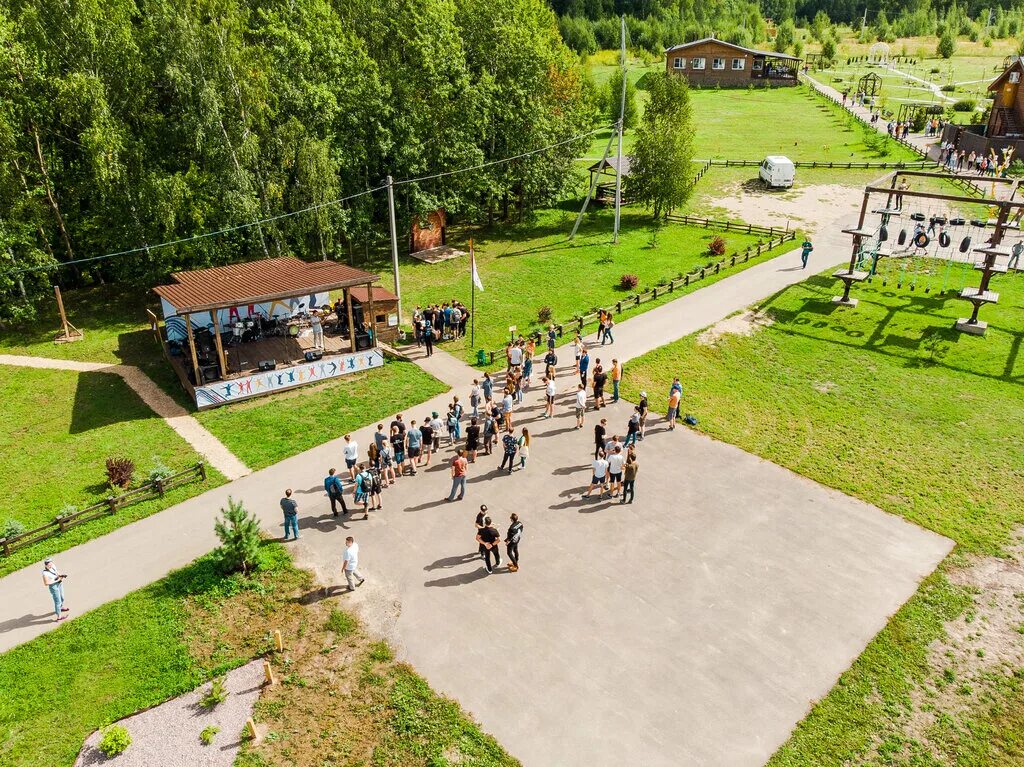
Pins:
x: 921, y: 240
x: 883, y: 233
x: 943, y: 239
x: 965, y: 244
x: 902, y: 238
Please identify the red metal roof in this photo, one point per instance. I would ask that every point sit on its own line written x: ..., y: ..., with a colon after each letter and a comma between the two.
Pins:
x: 257, y: 282
x: 379, y: 294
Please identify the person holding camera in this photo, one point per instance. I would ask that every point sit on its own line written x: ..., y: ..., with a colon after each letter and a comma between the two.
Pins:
x: 54, y: 581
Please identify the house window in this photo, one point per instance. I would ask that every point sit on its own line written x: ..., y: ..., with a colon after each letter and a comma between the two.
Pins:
x: 679, y: 63
x: 717, y: 63
x: 1014, y: 77
x: 739, y: 64
x: 697, y: 63
x: 758, y: 65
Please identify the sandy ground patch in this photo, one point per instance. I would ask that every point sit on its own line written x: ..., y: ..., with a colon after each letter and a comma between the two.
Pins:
x: 806, y: 206
x: 168, y: 734
x: 743, y: 324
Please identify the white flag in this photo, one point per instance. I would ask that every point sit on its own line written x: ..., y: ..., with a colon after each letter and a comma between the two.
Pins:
x: 476, y: 274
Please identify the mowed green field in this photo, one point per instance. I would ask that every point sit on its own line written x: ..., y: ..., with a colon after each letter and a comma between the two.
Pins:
x: 888, y: 403
x: 60, y: 427
x: 730, y: 122
x: 265, y: 430
x: 532, y: 266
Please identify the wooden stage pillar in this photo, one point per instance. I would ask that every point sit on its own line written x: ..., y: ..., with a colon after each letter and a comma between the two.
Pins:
x: 192, y: 348
x: 220, y: 346
x: 373, y: 316
x: 351, y: 323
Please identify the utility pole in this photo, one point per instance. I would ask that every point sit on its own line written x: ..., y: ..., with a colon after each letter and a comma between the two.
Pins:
x: 622, y: 115
x: 864, y: 20
x: 394, y: 243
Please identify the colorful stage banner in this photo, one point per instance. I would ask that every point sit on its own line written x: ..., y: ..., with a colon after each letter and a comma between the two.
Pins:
x: 271, y: 381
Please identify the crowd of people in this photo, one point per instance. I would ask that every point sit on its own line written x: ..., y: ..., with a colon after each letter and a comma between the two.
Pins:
x: 488, y: 426
x: 439, y: 323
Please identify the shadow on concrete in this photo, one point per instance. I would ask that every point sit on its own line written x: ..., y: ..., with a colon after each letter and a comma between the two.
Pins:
x: 25, y: 620
x: 461, y: 579
x: 446, y: 562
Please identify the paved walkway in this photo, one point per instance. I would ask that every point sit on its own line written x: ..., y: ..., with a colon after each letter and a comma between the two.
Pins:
x: 696, y: 626
x: 187, y: 427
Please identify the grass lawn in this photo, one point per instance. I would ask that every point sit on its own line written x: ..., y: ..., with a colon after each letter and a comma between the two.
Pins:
x: 61, y: 428
x: 165, y: 639
x: 887, y: 403
x: 527, y: 267
x: 265, y: 430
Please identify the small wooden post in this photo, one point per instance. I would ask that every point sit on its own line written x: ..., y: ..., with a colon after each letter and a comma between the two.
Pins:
x: 201, y: 468
x: 68, y: 332
x: 250, y: 728
x: 351, y: 322
x: 278, y: 642
x: 220, y: 346
x: 268, y: 672
x: 192, y: 348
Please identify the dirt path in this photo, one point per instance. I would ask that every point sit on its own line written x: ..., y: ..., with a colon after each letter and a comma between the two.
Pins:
x: 187, y: 427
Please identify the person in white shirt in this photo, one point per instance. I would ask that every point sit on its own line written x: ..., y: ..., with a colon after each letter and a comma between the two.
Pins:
x: 54, y: 581
x: 515, y: 357
x: 351, y: 450
x: 350, y: 563
x: 616, y: 460
x: 318, y: 331
x: 581, y: 404
x: 506, y: 409
x: 600, y: 478
x: 549, y: 394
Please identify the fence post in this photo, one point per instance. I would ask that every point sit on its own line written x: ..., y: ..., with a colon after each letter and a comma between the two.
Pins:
x: 111, y: 503
x: 702, y: 272
x: 671, y: 286
x: 492, y: 357
x: 636, y: 300
x: 159, y: 484
x: 618, y: 307
x: 655, y: 293
x: 6, y: 547
x: 717, y: 265
x: 733, y: 262
x: 748, y: 228
x: 201, y: 468
x: 686, y: 279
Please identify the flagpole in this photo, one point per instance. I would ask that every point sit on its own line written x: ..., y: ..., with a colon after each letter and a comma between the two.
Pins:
x: 472, y: 300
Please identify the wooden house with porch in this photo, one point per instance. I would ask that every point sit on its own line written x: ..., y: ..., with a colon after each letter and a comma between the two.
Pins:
x: 606, y: 171
x: 249, y: 329
x: 710, y: 62
x: 1005, y: 126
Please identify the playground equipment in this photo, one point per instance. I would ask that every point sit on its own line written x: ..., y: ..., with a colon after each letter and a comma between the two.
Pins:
x: 930, y: 242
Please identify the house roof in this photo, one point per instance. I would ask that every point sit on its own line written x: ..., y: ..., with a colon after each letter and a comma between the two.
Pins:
x: 256, y: 282
x: 359, y: 293
x: 612, y: 163
x: 752, y: 51
x: 1018, y: 63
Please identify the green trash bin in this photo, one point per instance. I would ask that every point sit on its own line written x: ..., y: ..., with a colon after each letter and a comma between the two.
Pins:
x: 481, y: 357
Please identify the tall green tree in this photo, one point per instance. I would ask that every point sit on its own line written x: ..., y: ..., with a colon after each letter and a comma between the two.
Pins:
x: 614, y: 100
x: 661, y: 172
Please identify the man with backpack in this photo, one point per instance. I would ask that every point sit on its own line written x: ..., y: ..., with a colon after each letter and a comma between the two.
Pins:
x: 335, y: 491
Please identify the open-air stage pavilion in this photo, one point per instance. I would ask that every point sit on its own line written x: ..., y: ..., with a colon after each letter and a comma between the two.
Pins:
x: 244, y: 330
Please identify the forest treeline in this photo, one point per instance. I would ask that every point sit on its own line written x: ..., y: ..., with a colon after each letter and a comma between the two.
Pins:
x: 653, y: 25
x: 126, y: 123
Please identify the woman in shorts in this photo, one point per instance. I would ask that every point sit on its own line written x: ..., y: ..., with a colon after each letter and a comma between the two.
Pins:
x: 472, y: 440
x: 577, y: 352
x: 387, y: 459
x: 398, y: 447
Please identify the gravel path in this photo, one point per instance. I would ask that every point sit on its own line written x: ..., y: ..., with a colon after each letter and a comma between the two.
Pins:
x: 168, y: 734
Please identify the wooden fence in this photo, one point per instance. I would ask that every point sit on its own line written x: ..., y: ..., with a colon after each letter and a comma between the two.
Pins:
x: 578, y: 324
x: 829, y: 164
x: 108, y: 506
x: 729, y: 226
x: 968, y: 186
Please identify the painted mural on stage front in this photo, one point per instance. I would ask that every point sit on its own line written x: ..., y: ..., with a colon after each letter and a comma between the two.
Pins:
x: 266, y: 382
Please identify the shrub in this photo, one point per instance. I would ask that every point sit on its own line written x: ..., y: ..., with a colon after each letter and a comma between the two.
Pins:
x: 965, y: 105
x: 341, y: 623
x: 628, y: 281
x: 948, y: 88
x: 239, y: 534
x: 717, y: 246
x: 120, y: 471
x: 545, y: 313
x: 12, y: 528
x: 208, y: 734
x: 216, y: 695
x: 114, y: 741
x: 933, y: 70
x: 159, y: 471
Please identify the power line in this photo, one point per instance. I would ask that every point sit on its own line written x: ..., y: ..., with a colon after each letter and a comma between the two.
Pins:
x: 309, y: 209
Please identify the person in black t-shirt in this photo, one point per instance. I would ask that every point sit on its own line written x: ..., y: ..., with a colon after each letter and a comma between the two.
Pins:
x: 489, y: 538
x: 515, y: 532
x: 599, y: 433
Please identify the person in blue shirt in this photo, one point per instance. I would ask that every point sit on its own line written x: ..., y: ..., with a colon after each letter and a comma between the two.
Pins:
x: 584, y: 365
x: 335, y: 491
x: 805, y: 252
